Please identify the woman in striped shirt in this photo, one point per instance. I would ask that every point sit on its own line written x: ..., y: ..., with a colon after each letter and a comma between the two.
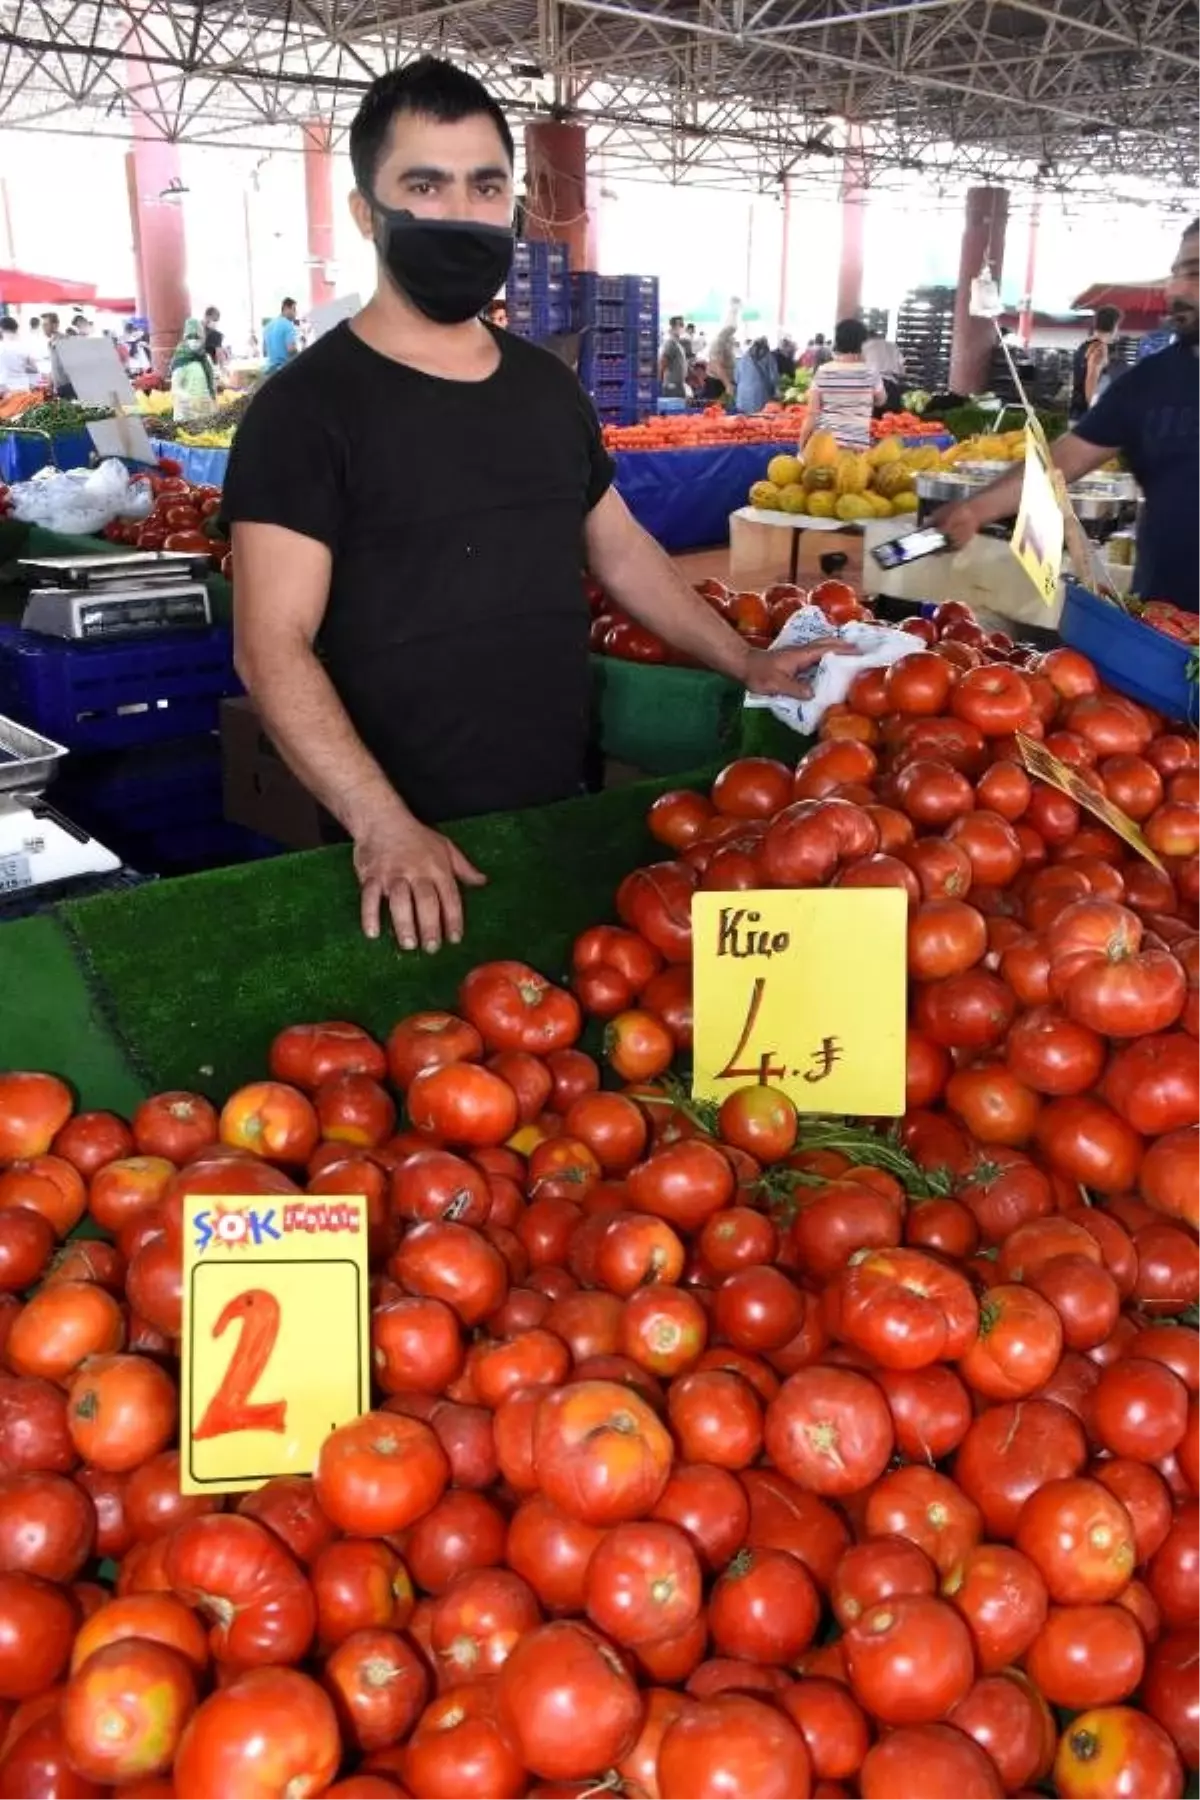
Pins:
x: 844, y: 392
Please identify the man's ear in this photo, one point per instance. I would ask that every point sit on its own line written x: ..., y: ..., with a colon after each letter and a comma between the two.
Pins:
x: 360, y: 212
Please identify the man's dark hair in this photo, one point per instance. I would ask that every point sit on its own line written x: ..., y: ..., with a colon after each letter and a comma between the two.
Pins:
x: 1192, y: 229
x: 820, y: 338
x: 212, y: 312
x: 675, y: 319
x: 1107, y: 318
x: 429, y: 87
x: 284, y: 304
x: 79, y: 319
x: 849, y: 337
x: 7, y: 324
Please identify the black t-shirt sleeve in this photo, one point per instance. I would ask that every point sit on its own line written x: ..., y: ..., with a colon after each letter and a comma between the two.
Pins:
x: 601, y: 468
x: 1113, y: 423
x: 285, y: 467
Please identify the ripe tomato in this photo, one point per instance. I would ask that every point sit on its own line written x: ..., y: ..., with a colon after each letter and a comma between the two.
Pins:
x: 359, y: 1585
x: 830, y: 1430
x: 514, y: 1008
x: 124, y: 1710
x: 1087, y: 1656
x: 993, y: 1104
x: 121, y: 1411
x: 754, y: 787
x: 716, y: 1418
x: 684, y: 1183
x: 48, y: 1185
x: 918, y: 1504
x: 1009, y: 1451
x: 34, y: 1108
x: 1169, y: 1693
x: 1018, y: 1346
x: 307, y: 1055
x: 38, y: 1621
x: 1174, y: 1573
x: 871, y: 1572
x: 379, y: 1473
x: 1081, y: 1539
x: 565, y: 1697
x: 272, y: 1119
x: 379, y: 1686
x: 638, y: 1045
x: 991, y: 845
x: 64, y: 1323
x: 995, y: 699
x: 462, y: 1103
x: 945, y: 937
x: 1116, y: 1753
x: 657, y: 903
x: 1089, y: 1143
x: 553, y: 1552
x: 834, y: 1222
x: 890, y: 1640
x: 1139, y: 1409
x: 932, y: 793
x: 939, y: 1761
x: 972, y: 1011
x: 1167, y: 1179
x: 91, y: 1139
x: 904, y: 1309
x: 732, y: 1744
x: 460, y: 1749
x: 1053, y: 1054
x: 643, y: 1583
x: 764, y: 1608
x: 759, y: 1120
x: 678, y: 818
x: 271, y: 1731
x: 600, y: 1452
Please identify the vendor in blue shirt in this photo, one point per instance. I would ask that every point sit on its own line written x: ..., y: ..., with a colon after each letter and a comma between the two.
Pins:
x: 281, y: 337
x: 1150, y: 416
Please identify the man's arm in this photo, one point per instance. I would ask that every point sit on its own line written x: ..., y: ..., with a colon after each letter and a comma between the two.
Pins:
x: 281, y: 582
x: 961, y: 519
x: 813, y: 414
x: 631, y: 567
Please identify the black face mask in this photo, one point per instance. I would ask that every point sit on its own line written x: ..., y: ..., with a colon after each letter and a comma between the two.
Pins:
x: 448, y: 268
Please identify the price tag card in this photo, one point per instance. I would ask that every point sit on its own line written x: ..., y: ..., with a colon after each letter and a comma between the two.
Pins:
x: 1047, y: 767
x: 276, y: 1334
x: 1037, y: 541
x: 805, y: 990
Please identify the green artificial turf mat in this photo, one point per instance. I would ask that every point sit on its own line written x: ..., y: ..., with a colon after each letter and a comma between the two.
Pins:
x: 197, y: 975
x: 49, y: 1019
x: 762, y: 734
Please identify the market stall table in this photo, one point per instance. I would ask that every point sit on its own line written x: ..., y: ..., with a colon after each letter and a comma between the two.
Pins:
x: 797, y: 524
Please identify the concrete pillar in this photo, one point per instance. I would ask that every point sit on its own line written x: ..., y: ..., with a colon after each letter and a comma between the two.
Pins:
x: 854, y: 213
x: 318, y: 207
x: 556, y: 187
x: 982, y: 242
x: 1025, y: 324
x: 785, y: 252
x: 159, y: 247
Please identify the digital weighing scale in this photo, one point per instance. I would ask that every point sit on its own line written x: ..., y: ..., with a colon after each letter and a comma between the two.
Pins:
x: 91, y: 598
x: 38, y: 847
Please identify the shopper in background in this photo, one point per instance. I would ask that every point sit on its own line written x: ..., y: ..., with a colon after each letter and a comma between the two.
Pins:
x: 673, y: 362
x: 281, y: 337
x: 412, y: 502
x: 18, y: 371
x: 756, y: 377
x: 1090, y: 372
x: 816, y: 352
x: 845, y: 391
x: 81, y: 326
x: 214, y: 337
x: 193, y: 377
x: 722, y: 357
x: 496, y: 313
x: 1152, y: 418
x: 885, y: 357
x: 785, y: 357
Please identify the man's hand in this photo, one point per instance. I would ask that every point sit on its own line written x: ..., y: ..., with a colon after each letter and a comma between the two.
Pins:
x: 779, y: 671
x: 958, y: 522
x: 417, y: 871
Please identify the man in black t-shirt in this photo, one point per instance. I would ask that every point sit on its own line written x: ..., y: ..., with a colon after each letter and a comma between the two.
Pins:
x: 214, y: 337
x: 412, y: 502
x: 1151, y: 416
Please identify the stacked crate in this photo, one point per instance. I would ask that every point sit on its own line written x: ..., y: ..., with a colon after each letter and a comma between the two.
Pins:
x: 617, y: 318
x: 924, y: 330
x: 139, y: 716
x: 536, y: 293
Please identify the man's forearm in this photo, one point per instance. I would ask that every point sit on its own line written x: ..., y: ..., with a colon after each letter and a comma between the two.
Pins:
x: 642, y: 579
x: 1074, y: 456
x: 306, y: 720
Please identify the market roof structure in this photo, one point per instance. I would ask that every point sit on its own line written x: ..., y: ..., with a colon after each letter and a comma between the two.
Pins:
x: 1061, y: 93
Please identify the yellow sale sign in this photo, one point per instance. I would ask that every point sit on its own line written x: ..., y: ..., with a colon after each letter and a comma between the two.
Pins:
x: 276, y: 1334
x: 804, y: 990
x: 1037, y: 540
x: 1047, y: 767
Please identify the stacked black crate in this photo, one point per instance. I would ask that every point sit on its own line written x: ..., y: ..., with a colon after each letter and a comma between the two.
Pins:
x: 924, y: 330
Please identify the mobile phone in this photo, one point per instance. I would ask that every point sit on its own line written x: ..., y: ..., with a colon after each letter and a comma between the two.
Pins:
x: 901, y: 550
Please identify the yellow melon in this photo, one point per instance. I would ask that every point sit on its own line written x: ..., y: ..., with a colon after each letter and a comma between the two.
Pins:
x: 765, y: 495
x: 784, y: 471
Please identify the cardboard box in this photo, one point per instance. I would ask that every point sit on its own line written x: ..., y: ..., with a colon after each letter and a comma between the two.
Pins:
x: 259, y: 790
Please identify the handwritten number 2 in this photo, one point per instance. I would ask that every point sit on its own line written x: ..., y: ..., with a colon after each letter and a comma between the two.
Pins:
x: 766, y: 1070
x: 231, y: 1407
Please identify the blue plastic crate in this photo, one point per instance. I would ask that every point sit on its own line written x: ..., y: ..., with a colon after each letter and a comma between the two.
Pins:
x: 186, y: 849
x: 535, y: 285
x: 112, y: 696
x: 534, y: 255
x: 1132, y: 657
x: 621, y: 343
x: 632, y: 368
x: 176, y: 784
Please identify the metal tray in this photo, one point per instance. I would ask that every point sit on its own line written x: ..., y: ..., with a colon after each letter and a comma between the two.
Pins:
x: 28, y: 761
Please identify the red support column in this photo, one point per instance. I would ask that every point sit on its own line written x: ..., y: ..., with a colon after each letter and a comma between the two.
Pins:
x: 557, y: 189
x: 854, y: 211
x: 159, y: 248
x: 1025, y: 324
x: 785, y: 252
x: 318, y: 207
x: 982, y: 242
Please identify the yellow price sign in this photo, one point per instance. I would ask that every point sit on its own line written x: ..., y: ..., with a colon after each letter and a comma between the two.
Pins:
x: 1037, y: 541
x: 276, y: 1334
x: 805, y: 990
x: 1047, y: 767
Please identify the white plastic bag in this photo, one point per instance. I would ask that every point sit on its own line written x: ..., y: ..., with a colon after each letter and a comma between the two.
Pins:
x: 80, y: 501
x: 875, y: 646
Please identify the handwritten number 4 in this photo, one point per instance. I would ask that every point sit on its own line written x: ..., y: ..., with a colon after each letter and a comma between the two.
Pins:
x: 767, y: 1071
x: 231, y: 1407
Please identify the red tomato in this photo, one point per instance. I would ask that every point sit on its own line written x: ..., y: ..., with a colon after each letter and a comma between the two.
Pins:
x: 269, y: 1731
x: 889, y: 1640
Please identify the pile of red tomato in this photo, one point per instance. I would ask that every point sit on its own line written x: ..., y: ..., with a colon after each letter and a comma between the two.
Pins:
x: 756, y: 615
x: 713, y: 1454
x: 185, y: 517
